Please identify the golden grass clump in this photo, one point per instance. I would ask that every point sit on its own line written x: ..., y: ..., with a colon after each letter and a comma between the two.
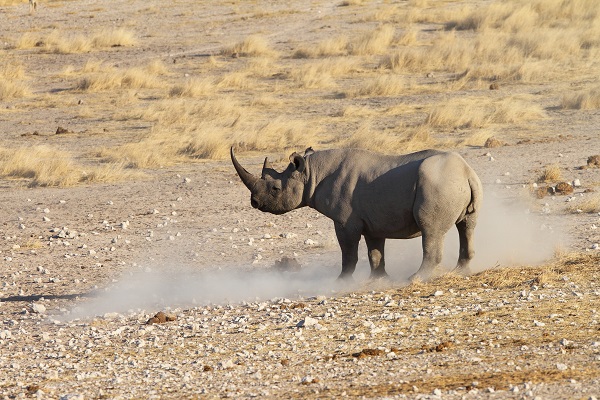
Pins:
x: 277, y: 134
x: 328, y: 48
x: 47, y: 166
x: 591, y: 204
x: 551, y: 173
x: 481, y: 112
x: 132, y: 78
x: 312, y: 77
x: 12, y: 70
x: 12, y: 90
x: 61, y: 43
x: 193, y: 87
x: 406, y: 141
x: 385, y: 85
x: 375, y: 42
x: 587, y: 99
x: 252, y: 46
x: 113, y: 38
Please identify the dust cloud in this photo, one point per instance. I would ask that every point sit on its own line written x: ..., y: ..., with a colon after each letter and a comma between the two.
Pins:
x: 506, y: 234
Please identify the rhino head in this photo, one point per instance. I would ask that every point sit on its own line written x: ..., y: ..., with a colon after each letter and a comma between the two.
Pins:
x: 275, y: 192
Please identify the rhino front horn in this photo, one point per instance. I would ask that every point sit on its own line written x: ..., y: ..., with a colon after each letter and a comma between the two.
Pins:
x: 247, y: 178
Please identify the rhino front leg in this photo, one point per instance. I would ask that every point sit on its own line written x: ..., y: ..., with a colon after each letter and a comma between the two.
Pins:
x: 348, y: 241
x: 376, y: 256
x: 433, y: 247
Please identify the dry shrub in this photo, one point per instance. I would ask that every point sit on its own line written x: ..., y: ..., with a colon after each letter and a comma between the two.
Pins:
x: 157, y: 67
x: 193, y: 87
x: 12, y: 90
x: 62, y: 43
x: 385, y: 85
x: 550, y: 173
x: 374, y: 42
x: 586, y: 99
x: 252, y: 46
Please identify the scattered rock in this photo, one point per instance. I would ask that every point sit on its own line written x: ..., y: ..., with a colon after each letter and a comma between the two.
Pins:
x: 38, y: 308
x: 307, y: 321
x: 61, y: 131
x: 161, y: 318
x: 563, y: 188
x: 494, y: 86
x: 287, y: 264
x: 593, y: 161
x: 368, y: 353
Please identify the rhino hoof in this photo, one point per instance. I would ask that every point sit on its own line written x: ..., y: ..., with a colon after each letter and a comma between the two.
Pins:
x: 379, y: 275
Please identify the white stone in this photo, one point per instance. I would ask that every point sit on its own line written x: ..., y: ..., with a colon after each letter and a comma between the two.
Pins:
x: 562, y: 367
x: 307, y: 321
x: 38, y: 308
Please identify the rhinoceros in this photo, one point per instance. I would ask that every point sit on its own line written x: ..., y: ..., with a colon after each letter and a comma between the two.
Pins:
x: 378, y: 197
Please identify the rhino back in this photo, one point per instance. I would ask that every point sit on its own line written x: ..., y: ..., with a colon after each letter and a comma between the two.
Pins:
x: 377, y: 190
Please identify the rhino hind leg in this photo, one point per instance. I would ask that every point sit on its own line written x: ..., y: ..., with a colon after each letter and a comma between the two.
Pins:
x: 348, y: 242
x: 375, y: 247
x: 465, y: 228
x: 433, y: 248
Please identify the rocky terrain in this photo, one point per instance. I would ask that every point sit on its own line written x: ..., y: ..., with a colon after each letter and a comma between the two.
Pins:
x: 159, y: 280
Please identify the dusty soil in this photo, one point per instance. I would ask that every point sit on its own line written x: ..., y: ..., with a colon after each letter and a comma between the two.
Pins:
x: 508, y: 332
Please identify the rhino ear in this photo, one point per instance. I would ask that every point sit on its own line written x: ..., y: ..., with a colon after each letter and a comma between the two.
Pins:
x: 308, y: 151
x: 298, y: 161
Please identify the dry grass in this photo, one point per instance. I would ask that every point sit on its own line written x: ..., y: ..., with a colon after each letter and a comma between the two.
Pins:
x: 63, y: 43
x: 375, y: 42
x: 193, y: 87
x: 586, y: 99
x: 482, y: 112
x: 12, y: 90
x: 280, y: 133
x: 332, y: 47
x: 385, y: 85
x: 590, y: 204
x: 252, y: 46
x: 109, y: 79
x: 405, y: 141
x: 551, y: 173
x: 312, y: 77
x: 46, y: 166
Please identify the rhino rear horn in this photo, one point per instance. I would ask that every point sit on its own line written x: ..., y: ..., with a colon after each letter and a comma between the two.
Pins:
x: 247, y: 178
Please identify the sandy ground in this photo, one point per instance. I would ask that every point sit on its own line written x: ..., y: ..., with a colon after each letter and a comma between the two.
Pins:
x: 84, y: 268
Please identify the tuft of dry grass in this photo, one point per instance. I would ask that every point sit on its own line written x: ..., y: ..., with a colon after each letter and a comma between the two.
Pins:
x: 252, y: 46
x: 551, y: 173
x: 385, y: 85
x: 591, y: 204
x: 61, y: 43
x: 277, y: 134
x: 193, y: 87
x: 375, y: 42
x: 481, y: 112
x: 312, y: 77
x: 587, y: 99
x: 132, y: 78
x: 113, y: 38
x: 405, y: 141
x: 12, y: 90
x: 47, y: 166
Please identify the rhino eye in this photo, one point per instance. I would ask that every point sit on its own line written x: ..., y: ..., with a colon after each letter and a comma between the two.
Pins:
x: 276, y: 188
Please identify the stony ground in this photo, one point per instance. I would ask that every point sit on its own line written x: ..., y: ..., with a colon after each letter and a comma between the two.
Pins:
x: 83, y: 269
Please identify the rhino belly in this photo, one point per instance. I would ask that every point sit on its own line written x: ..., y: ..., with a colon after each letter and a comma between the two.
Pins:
x: 392, y: 225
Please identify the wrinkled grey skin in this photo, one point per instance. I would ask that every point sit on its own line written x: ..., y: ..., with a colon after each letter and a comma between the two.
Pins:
x: 378, y: 197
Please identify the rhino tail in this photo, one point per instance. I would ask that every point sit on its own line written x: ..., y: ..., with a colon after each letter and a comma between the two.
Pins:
x: 476, y: 194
